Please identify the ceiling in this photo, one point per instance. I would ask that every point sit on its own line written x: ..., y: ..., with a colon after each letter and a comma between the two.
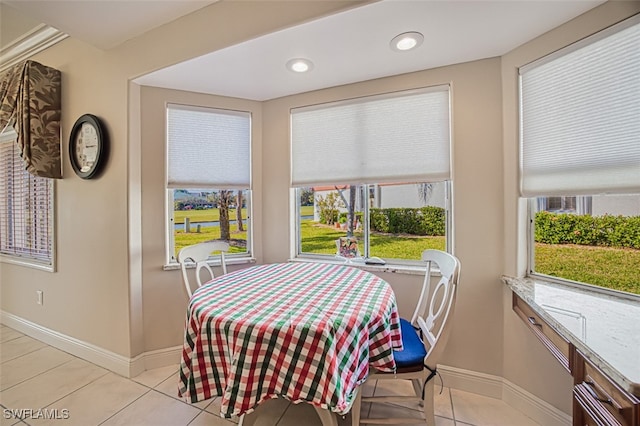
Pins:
x: 346, y: 47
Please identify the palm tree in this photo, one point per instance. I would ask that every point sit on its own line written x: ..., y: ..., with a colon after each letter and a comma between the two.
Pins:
x: 424, y: 191
x: 239, y: 211
x: 224, y: 199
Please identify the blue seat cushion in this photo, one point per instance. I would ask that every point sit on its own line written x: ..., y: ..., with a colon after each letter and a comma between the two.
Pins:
x: 413, y: 352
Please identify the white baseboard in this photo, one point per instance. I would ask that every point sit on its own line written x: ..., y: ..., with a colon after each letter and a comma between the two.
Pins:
x: 538, y: 410
x: 471, y: 381
x: 127, y: 367
x: 497, y: 387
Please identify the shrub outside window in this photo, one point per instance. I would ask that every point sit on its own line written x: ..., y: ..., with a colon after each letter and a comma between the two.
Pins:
x: 392, y: 222
x: 599, y: 246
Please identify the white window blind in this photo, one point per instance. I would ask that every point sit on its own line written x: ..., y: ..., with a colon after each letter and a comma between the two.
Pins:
x: 580, y: 117
x: 26, y: 207
x: 398, y: 137
x: 208, y: 148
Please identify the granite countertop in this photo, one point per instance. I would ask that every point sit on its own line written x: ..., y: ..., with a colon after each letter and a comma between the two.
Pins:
x: 603, y: 326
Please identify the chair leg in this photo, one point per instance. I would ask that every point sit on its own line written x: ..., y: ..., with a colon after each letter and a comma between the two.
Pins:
x: 417, y: 388
x: 428, y: 403
x: 355, y: 408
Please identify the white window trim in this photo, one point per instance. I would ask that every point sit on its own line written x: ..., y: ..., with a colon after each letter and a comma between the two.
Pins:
x: 171, y: 263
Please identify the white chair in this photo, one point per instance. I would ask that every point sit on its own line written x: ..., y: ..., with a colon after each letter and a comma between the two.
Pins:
x: 423, y: 343
x: 199, y: 254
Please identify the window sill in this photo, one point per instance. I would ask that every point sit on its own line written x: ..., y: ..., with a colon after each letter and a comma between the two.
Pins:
x: 389, y: 268
x: 602, y: 325
x: 27, y: 263
x: 214, y: 263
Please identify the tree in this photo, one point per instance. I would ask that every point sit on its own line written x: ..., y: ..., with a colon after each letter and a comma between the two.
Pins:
x: 224, y: 199
x: 239, y: 211
x: 424, y: 191
x: 329, y: 207
x: 351, y: 207
x: 306, y: 196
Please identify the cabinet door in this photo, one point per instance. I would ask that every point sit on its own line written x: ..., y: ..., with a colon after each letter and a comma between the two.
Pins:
x: 601, y: 399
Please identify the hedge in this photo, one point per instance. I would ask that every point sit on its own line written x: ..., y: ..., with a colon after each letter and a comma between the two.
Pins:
x: 428, y: 220
x: 607, y: 230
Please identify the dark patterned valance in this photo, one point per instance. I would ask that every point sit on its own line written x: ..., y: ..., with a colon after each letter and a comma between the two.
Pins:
x: 30, y: 101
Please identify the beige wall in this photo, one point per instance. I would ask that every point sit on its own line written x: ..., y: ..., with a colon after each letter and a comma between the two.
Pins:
x: 96, y: 295
x: 110, y: 290
x: 477, y: 141
x: 525, y: 362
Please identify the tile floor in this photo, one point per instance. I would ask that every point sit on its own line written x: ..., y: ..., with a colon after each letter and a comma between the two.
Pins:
x: 35, y: 375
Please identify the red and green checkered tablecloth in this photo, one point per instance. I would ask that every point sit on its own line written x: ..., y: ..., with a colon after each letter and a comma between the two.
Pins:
x: 307, y: 332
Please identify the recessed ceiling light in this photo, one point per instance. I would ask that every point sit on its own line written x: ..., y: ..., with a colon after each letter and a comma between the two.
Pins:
x: 299, y: 65
x: 406, y: 41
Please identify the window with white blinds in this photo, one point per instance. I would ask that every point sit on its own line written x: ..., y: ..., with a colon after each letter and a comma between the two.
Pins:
x: 580, y: 117
x: 208, y: 148
x: 26, y: 208
x: 391, y: 138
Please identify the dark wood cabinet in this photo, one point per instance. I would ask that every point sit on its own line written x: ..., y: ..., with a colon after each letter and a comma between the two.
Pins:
x: 597, y: 399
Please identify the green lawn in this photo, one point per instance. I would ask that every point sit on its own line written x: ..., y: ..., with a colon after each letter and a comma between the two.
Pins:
x: 606, y: 267
x: 614, y: 268
x: 306, y: 211
x: 208, y: 233
x: 321, y: 239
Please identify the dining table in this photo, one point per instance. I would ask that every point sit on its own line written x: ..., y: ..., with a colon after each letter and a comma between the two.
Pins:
x: 303, y: 331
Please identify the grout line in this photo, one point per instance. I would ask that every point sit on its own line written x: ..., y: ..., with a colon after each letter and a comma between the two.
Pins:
x: 125, y: 407
x: 453, y: 412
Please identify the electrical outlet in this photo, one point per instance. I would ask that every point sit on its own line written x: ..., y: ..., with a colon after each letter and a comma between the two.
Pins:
x: 39, y: 293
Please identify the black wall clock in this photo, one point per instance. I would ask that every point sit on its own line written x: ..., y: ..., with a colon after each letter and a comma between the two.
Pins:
x: 88, y: 146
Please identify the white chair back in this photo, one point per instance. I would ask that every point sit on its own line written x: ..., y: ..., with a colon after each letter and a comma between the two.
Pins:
x: 440, y: 303
x: 199, y: 254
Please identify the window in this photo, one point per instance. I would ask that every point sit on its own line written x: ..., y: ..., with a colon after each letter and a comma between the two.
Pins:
x: 208, y: 178
x: 26, y: 210
x: 580, y: 160
x: 377, y: 168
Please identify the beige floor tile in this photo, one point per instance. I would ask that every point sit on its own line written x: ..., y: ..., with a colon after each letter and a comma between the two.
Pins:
x: 481, y: 410
x: 154, y: 409
x: 170, y: 388
x: 214, y: 408
x: 442, y: 398
x: 442, y: 401
x: 380, y: 410
x: 441, y: 421
x: 153, y: 378
x: 96, y: 402
x: 208, y: 419
x: 268, y: 413
x: 18, y: 347
x: 49, y: 387
x: 11, y: 420
x: 7, y: 334
x: 30, y: 365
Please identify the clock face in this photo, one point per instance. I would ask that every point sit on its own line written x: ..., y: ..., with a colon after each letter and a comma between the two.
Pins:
x: 86, y: 147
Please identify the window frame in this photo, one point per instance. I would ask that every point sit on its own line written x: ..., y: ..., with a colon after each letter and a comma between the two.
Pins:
x: 297, y: 254
x: 581, y: 193
x: 9, y: 136
x: 171, y: 262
